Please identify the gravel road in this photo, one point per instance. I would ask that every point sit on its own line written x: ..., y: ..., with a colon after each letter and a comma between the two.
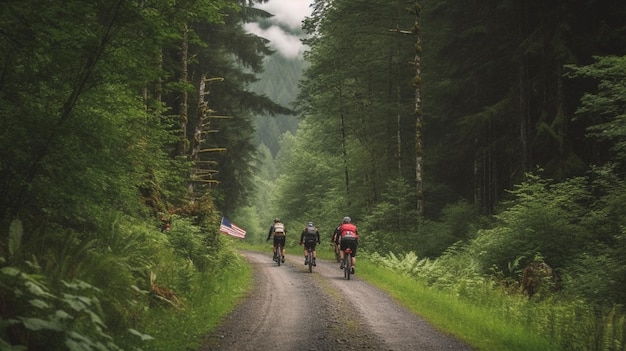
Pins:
x: 292, y: 309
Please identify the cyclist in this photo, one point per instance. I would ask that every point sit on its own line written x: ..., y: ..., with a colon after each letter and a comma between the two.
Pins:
x: 346, y: 235
x: 310, y: 237
x: 278, y: 231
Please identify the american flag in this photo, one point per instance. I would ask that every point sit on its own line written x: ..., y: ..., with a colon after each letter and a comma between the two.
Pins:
x: 231, y: 229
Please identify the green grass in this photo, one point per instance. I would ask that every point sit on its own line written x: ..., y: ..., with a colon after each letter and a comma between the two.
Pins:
x: 477, y: 326
x: 213, y: 296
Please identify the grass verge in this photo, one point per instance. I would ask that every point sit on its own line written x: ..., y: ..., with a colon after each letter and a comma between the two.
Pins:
x: 212, y: 297
x: 478, y: 327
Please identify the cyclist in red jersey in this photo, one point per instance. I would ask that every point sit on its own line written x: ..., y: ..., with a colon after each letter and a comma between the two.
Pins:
x: 346, y: 235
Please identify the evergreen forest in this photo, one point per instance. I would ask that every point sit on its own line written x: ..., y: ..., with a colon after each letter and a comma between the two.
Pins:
x: 466, y: 139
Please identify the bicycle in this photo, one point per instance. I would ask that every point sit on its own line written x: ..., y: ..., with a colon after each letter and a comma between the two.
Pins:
x: 347, y: 263
x: 279, y: 254
x: 337, y: 255
x: 309, y: 258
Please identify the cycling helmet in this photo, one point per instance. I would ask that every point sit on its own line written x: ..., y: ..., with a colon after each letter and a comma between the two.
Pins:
x: 310, y: 224
x: 276, y: 220
x: 346, y: 219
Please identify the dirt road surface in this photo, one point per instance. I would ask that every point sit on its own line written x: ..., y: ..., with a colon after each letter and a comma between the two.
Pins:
x: 292, y: 309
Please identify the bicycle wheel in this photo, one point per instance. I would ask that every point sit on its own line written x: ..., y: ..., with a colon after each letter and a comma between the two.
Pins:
x: 348, y: 265
x: 310, y: 259
x: 279, y: 254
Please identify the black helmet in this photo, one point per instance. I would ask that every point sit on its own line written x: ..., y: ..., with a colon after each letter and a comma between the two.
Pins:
x: 346, y: 219
x: 276, y: 220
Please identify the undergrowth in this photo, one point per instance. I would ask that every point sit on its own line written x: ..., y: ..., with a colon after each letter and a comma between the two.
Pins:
x: 491, y: 316
x: 210, y: 297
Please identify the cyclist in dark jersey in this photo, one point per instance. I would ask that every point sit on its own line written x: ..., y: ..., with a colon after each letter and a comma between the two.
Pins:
x: 310, y: 237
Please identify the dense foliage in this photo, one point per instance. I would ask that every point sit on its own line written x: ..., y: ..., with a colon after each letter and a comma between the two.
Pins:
x: 103, y: 121
x: 523, y: 107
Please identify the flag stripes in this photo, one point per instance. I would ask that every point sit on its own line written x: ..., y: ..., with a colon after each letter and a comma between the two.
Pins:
x: 228, y: 228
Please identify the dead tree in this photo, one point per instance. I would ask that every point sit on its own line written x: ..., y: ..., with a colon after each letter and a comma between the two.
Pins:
x: 203, y: 170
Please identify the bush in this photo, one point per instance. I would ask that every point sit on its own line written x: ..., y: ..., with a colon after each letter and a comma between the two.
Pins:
x: 68, y: 319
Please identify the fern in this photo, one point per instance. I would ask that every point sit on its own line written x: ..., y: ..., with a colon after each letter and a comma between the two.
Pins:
x: 47, y: 319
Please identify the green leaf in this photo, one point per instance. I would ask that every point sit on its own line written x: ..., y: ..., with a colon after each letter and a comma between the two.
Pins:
x: 10, y: 271
x: 139, y: 290
x: 79, y: 284
x: 60, y: 314
x: 143, y: 337
x: 39, y: 303
x: 95, y: 318
x: 40, y: 324
x: 77, y: 303
x: 80, y: 337
x: 35, y: 289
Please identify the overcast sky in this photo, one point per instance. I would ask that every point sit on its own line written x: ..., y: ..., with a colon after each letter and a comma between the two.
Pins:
x: 290, y: 13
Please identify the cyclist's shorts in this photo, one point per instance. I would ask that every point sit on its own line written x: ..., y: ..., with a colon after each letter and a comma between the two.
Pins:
x: 310, y: 243
x: 279, y: 240
x: 349, y: 243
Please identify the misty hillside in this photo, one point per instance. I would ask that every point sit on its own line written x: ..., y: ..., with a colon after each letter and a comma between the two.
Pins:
x: 279, y: 82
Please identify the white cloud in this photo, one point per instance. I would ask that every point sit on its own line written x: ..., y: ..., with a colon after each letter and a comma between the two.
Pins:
x: 289, y: 13
x: 285, y: 43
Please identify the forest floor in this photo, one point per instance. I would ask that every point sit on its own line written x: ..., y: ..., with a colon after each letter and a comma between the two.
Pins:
x: 292, y: 309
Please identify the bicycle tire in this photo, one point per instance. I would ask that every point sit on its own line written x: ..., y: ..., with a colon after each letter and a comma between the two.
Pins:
x: 279, y: 254
x: 348, y: 265
x: 310, y: 258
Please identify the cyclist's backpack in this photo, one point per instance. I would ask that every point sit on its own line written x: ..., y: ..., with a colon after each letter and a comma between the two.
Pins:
x: 311, y: 233
x: 279, y: 229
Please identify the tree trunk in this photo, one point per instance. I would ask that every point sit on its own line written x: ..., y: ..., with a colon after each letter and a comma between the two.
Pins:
x: 202, y: 171
x: 398, y: 131
x: 417, y: 113
x: 184, y: 97
x: 524, y: 98
x: 343, y: 146
x: 419, y: 177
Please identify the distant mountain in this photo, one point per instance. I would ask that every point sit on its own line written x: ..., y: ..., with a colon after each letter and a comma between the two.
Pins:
x: 279, y: 82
